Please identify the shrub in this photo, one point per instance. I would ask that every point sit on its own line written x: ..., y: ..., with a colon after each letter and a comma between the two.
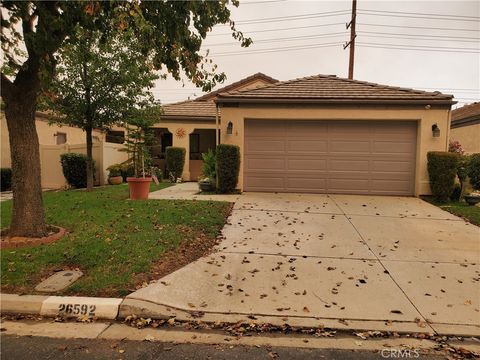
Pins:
x: 5, y: 179
x: 228, y: 167
x: 175, y: 161
x: 209, y: 167
x: 157, y: 172
x: 74, y: 167
x: 442, y: 170
x: 473, y: 171
x: 115, y: 170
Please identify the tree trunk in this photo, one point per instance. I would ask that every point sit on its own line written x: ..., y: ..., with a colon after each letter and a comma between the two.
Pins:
x: 28, y: 217
x: 88, y: 132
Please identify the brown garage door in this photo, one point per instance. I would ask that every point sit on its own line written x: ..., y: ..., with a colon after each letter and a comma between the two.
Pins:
x: 353, y: 157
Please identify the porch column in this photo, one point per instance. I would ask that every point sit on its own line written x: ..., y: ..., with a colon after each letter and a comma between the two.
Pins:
x: 181, y: 138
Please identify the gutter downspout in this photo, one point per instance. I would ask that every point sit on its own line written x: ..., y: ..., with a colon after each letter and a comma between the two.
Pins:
x: 217, y: 125
x: 449, y: 124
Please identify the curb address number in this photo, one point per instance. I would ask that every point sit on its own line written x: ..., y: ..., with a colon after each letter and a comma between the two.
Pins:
x: 77, y: 309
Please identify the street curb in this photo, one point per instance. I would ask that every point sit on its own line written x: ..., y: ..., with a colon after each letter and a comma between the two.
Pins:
x: 65, y: 306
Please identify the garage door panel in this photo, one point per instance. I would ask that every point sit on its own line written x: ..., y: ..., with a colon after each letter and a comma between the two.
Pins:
x: 351, y: 157
x: 307, y: 145
x: 352, y: 146
x: 307, y: 164
x: 358, y: 186
x: 260, y: 183
x: 300, y: 184
x: 264, y: 145
x: 349, y: 165
x: 402, y: 166
x: 264, y: 163
x: 389, y: 147
x: 262, y: 128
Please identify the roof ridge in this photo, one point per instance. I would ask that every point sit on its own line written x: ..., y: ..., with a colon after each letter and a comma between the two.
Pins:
x: 279, y: 83
x: 401, y: 88
x: 238, y: 82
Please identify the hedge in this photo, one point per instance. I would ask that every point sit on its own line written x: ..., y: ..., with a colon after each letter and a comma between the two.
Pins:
x: 473, y: 171
x: 5, y: 179
x: 74, y: 167
x: 228, y: 167
x: 442, y: 171
x: 175, y: 161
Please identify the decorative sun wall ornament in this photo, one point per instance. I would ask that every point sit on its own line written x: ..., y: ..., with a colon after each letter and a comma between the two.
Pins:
x: 180, y: 133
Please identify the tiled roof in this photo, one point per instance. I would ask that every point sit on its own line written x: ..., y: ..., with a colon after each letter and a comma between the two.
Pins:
x: 466, y: 112
x: 332, y: 89
x: 189, y: 109
x: 232, y: 86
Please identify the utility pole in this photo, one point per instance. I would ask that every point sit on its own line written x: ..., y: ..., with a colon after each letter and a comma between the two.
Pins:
x: 353, y: 35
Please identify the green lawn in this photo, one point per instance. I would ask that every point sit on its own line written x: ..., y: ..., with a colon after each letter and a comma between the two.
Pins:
x: 111, y: 239
x: 462, y: 209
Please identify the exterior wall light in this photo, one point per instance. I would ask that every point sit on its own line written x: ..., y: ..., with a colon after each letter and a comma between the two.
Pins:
x: 435, y: 130
x: 229, y: 128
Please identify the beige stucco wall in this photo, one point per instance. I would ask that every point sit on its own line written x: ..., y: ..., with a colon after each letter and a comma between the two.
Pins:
x: 424, y: 117
x: 46, y: 136
x: 468, y: 136
x: 189, y: 127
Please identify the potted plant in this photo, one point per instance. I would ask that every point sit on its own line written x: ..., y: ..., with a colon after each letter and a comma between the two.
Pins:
x: 473, y: 198
x: 115, y: 174
x: 207, y: 183
x: 137, y: 125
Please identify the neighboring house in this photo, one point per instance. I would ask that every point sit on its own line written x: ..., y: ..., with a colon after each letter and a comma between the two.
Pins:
x: 319, y: 134
x: 465, y: 127
x: 55, y: 140
x: 48, y: 134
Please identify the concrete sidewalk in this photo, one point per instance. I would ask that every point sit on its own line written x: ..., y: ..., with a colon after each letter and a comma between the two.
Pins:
x: 340, y: 261
x: 189, y: 191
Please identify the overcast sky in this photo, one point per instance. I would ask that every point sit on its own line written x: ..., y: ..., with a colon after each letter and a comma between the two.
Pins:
x: 297, y: 38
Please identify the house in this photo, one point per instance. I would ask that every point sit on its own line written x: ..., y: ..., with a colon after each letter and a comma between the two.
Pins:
x: 191, y: 124
x: 465, y: 127
x: 318, y: 134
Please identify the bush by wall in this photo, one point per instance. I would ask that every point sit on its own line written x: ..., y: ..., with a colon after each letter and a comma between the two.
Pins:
x: 228, y: 167
x: 442, y: 171
x: 209, y: 167
x: 473, y: 171
x: 74, y: 167
x: 5, y: 179
x: 175, y: 161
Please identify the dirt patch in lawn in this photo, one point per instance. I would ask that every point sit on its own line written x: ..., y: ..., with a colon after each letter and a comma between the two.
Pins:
x: 172, y: 260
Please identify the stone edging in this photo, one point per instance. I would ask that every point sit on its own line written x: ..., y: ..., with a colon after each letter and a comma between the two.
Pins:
x: 18, y: 242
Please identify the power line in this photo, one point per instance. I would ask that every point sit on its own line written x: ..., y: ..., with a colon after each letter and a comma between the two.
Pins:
x: 423, y: 35
x: 293, y: 38
x: 292, y: 17
x: 414, y: 17
x: 418, y: 27
x: 283, y: 29
x: 418, y: 13
x: 420, y: 38
x: 419, y: 48
x: 288, y: 48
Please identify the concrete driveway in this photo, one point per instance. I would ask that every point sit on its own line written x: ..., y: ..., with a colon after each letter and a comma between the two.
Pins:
x: 340, y: 261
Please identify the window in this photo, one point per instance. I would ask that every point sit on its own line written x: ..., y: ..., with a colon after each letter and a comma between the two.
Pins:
x: 61, y: 138
x: 117, y: 137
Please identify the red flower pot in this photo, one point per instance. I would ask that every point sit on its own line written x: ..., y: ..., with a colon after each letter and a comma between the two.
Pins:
x: 139, y: 187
